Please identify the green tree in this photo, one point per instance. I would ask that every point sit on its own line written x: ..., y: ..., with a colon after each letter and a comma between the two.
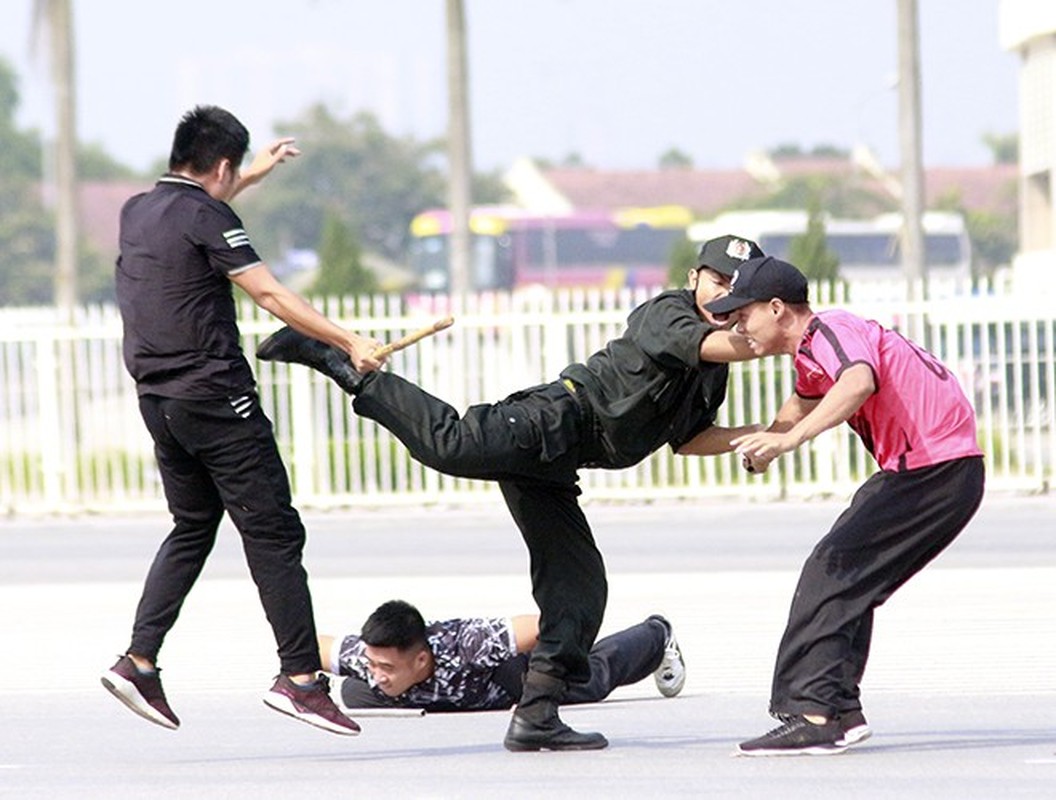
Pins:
x: 27, y: 228
x: 994, y: 235
x: 810, y: 251
x: 373, y: 182
x: 673, y: 158
x: 341, y: 270
x: 1004, y: 148
x: 844, y: 196
x: 682, y: 258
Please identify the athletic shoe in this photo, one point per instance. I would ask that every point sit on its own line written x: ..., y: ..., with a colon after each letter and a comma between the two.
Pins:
x: 293, y: 347
x: 310, y: 703
x: 798, y: 736
x: 670, y: 676
x: 854, y: 727
x: 140, y: 691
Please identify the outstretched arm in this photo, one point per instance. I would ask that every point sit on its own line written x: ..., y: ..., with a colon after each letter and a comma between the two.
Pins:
x: 715, y: 440
x: 296, y: 312
x: 724, y: 346
x: 801, y: 420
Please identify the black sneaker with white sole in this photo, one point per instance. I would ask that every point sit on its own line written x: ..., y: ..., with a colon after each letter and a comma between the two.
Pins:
x: 799, y: 736
x: 854, y: 727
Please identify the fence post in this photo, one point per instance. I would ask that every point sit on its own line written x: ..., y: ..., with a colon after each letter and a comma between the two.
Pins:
x: 302, y: 429
x: 49, y: 427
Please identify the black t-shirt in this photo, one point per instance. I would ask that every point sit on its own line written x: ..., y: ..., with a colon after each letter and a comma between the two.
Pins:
x: 178, y: 247
x: 649, y: 387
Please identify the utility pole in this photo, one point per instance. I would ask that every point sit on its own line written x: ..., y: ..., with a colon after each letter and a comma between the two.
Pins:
x: 459, y: 156
x: 914, y: 267
x: 58, y: 18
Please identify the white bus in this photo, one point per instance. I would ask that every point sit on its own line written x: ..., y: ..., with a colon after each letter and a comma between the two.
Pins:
x: 868, y: 249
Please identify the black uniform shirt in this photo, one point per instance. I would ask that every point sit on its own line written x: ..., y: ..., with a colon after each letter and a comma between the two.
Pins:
x: 649, y: 387
x: 178, y: 247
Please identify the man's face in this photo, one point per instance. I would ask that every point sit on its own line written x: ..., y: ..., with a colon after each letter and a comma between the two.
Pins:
x: 708, y: 285
x: 394, y: 670
x: 758, y: 323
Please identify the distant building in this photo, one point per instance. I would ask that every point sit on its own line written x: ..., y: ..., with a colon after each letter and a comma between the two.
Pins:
x: 709, y: 191
x: 1028, y: 27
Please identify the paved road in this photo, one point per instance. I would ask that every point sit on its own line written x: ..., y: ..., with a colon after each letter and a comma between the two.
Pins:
x: 960, y: 689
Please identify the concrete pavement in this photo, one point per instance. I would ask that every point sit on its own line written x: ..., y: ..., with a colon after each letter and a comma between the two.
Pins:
x: 959, y: 690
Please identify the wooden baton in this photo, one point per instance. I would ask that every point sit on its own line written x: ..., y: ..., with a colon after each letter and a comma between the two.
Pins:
x: 411, y: 338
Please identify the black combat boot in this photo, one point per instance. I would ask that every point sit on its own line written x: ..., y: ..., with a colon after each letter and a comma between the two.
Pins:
x: 535, y: 724
x: 295, y: 348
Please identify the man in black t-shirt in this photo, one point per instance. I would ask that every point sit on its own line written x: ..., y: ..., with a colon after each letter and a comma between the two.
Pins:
x: 398, y: 660
x: 181, y: 249
x: 660, y: 383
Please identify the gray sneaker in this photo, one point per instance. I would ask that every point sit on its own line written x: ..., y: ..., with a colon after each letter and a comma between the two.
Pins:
x: 310, y: 703
x: 670, y: 676
x: 140, y: 691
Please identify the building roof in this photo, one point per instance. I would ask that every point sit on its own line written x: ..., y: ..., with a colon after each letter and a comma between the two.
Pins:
x: 706, y: 192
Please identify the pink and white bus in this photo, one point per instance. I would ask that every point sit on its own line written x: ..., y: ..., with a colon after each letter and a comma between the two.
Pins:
x: 512, y: 248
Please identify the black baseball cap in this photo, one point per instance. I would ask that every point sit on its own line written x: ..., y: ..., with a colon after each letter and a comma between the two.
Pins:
x: 761, y: 279
x: 725, y: 254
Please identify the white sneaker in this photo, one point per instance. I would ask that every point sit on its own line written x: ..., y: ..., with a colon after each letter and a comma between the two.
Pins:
x: 670, y: 676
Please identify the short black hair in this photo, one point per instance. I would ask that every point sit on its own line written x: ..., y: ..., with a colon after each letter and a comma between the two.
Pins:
x: 205, y: 136
x: 395, y: 624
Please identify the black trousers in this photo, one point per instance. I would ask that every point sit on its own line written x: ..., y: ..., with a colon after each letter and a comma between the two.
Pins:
x: 530, y: 443
x: 897, y: 522
x: 214, y: 456
x: 621, y: 659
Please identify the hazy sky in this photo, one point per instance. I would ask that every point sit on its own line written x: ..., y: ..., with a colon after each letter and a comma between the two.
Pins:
x: 617, y: 81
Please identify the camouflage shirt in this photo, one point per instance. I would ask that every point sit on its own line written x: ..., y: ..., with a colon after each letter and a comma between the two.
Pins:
x: 465, y: 653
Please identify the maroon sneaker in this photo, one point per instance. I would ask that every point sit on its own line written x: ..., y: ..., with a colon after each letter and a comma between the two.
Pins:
x: 310, y: 703
x: 140, y: 691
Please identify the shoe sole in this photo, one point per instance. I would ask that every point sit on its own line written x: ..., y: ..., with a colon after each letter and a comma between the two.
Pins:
x: 854, y: 736
x: 674, y: 686
x: 284, y: 705
x: 522, y: 747
x: 850, y: 738
x: 126, y: 691
x: 816, y: 750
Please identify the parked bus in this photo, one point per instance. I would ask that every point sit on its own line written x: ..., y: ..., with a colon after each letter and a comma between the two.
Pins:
x: 512, y: 248
x: 868, y: 250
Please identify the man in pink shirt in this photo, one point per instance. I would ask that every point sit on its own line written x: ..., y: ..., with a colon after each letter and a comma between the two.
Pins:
x: 913, y: 417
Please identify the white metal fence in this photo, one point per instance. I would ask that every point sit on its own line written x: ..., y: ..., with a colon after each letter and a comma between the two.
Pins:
x: 71, y: 438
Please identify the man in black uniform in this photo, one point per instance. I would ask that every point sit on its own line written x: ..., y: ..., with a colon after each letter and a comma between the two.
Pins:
x: 182, y: 247
x: 660, y: 383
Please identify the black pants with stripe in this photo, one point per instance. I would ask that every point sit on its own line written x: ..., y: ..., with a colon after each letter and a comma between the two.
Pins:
x: 216, y: 456
x: 530, y: 443
x: 897, y: 522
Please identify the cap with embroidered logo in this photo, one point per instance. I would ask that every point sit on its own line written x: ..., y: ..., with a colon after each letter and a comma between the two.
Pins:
x: 759, y: 280
x: 725, y: 254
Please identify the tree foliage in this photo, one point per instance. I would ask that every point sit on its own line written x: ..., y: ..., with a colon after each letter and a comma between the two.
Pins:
x: 1004, y: 148
x: 810, y: 251
x: 27, y: 228
x: 841, y: 195
x: 341, y: 269
x: 681, y: 259
x: 352, y: 169
x: 673, y: 158
x: 994, y: 236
